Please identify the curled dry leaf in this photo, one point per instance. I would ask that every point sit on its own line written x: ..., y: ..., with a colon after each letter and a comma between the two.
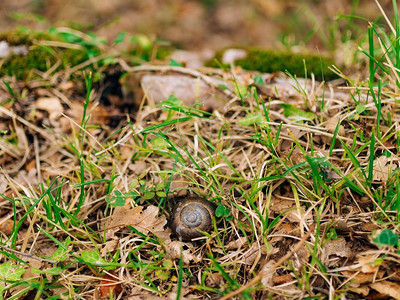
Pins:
x: 360, y: 278
x: 253, y: 254
x: 387, y: 288
x: 174, y: 250
x: 52, y: 105
x: 383, y: 167
x: 144, y: 221
x: 110, y: 246
x: 236, y: 244
x: 110, y: 283
x: 334, y: 250
x: 214, y: 280
x: 282, y: 279
x: 6, y: 226
x: 289, y: 209
x: 267, y: 273
x: 368, y: 264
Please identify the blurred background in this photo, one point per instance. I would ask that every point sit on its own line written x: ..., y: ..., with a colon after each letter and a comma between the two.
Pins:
x: 205, y: 24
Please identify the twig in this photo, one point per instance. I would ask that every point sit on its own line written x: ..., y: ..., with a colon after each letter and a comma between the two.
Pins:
x: 28, y: 255
x: 258, y: 278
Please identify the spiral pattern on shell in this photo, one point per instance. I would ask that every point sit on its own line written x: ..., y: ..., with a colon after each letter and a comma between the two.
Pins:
x: 191, y: 215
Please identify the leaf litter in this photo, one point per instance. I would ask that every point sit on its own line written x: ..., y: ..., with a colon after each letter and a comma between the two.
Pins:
x: 269, y: 165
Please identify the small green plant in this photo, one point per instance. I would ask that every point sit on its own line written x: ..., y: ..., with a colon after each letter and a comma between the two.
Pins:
x: 9, y: 273
x: 385, y: 237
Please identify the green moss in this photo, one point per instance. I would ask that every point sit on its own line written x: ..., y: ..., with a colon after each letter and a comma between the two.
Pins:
x: 269, y: 61
x: 24, y: 37
x: 39, y: 57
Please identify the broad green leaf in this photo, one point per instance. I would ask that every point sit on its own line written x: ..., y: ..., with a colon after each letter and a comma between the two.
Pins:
x: 162, y: 274
x: 52, y: 271
x: 360, y: 108
x: 93, y: 257
x: 161, y: 194
x: 10, y: 272
x: 149, y: 195
x: 174, y: 63
x: 258, y: 80
x: 385, y: 237
x: 118, y: 199
x: 222, y: 211
x: 252, y: 119
x: 120, y: 37
x: 61, y: 253
x: 159, y: 143
x: 171, y: 102
x: 290, y: 110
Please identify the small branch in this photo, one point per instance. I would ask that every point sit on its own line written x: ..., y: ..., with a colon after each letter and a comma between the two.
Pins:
x: 28, y: 255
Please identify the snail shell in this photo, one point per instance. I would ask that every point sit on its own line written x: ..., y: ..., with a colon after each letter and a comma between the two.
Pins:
x: 191, y: 215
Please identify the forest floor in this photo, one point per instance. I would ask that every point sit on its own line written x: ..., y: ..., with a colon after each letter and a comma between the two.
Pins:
x: 98, y: 143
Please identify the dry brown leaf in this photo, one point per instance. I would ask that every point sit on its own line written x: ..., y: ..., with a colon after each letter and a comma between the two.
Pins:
x: 253, y: 253
x: 110, y: 246
x: 362, y: 290
x: 282, y: 279
x: 110, y: 283
x: 362, y: 278
x: 330, y: 126
x: 138, y: 167
x: 236, y: 244
x: 333, y: 250
x: 6, y: 227
x: 214, y: 280
x: 387, y: 288
x: 52, y: 105
x: 288, y: 208
x: 174, y: 250
x: 144, y: 221
x: 267, y: 273
x: 383, y: 167
x: 98, y: 114
x: 368, y: 264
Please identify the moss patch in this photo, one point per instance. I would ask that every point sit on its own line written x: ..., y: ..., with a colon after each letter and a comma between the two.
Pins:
x: 269, y: 61
x: 39, y: 58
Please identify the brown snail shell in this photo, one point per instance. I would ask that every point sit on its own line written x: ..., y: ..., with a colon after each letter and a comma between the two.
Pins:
x: 191, y: 215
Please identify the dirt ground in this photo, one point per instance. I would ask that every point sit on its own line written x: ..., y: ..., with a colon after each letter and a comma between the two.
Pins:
x: 194, y: 25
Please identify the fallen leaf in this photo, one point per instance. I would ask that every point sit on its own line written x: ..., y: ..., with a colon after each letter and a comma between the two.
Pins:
x: 253, y: 254
x: 144, y: 221
x: 52, y: 105
x: 362, y: 290
x: 110, y: 246
x: 174, y: 250
x: 110, y: 283
x: 383, y: 167
x: 236, y: 244
x: 387, y: 288
x: 361, y: 278
x: 267, y: 273
x: 334, y: 250
x: 6, y: 227
x: 282, y: 279
x: 368, y: 264
x: 214, y: 280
